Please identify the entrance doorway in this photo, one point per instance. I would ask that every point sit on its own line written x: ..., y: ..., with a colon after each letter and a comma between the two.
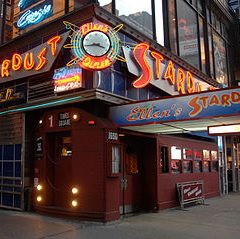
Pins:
x: 138, y: 174
x: 59, y: 161
x: 131, y: 181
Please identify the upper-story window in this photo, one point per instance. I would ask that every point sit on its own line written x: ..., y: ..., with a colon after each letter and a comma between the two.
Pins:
x: 188, y: 26
x: 139, y: 15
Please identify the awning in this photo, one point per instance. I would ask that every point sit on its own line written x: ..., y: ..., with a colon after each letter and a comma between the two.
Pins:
x: 180, y: 114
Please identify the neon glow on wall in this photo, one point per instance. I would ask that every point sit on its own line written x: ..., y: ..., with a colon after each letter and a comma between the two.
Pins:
x: 35, y: 15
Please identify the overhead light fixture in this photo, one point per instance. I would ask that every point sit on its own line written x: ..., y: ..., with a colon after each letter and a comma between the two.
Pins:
x: 224, y: 129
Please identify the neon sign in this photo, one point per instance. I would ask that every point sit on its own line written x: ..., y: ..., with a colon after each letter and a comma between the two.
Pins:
x: 183, y: 81
x: 35, y: 15
x: 95, y: 46
x: 27, y: 61
x: 67, y: 78
x: 13, y: 96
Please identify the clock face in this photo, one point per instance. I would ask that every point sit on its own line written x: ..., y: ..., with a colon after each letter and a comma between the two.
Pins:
x: 96, y: 43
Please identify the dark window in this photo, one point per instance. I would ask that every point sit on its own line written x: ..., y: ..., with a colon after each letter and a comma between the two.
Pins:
x: 164, y: 161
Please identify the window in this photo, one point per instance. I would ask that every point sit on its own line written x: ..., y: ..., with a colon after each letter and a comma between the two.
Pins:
x: 164, y: 160
x: 197, y: 165
x: 187, y: 160
x: 159, y: 22
x: 176, y: 156
x: 220, y: 59
x: 115, y: 159
x: 188, y: 33
x: 172, y: 26
x: 206, y: 160
x: 136, y: 15
x: 214, y: 161
x: 66, y: 146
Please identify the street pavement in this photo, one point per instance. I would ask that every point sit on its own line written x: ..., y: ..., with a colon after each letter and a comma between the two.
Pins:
x: 219, y: 218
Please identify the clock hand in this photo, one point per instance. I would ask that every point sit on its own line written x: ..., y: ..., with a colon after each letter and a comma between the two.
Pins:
x: 95, y: 44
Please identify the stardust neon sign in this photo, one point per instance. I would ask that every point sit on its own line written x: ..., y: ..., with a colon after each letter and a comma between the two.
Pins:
x: 34, y: 16
x: 181, y: 80
x: 28, y: 61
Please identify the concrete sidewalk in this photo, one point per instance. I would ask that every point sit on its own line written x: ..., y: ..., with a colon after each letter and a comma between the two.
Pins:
x: 219, y: 218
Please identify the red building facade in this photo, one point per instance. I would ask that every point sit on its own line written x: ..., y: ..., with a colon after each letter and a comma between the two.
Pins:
x: 62, y: 153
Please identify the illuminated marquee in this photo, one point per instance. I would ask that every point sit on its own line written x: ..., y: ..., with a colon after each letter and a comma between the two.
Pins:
x: 95, y: 46
x: 67, y: 78
x: 35, y: 15
x: 182, y: 80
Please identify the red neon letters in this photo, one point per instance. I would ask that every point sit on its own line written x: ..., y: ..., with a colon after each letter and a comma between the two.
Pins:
x: 27, y: 61
x: 140, y: 52
x: 182, y: 80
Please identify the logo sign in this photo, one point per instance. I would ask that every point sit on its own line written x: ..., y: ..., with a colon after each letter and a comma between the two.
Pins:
x: 217, y: 103
x: 64, y: 119
x: 35, y: 15
x: 151, y: 67
x: 192, y: 191
x: 13, y: 96
x: 95, y: 46
x: 67, y: 78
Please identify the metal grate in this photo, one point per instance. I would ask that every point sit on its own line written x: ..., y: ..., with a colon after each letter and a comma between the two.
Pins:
x: 40, y: 91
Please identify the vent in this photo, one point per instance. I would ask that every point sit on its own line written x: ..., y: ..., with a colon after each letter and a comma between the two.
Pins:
x: 40, y: 91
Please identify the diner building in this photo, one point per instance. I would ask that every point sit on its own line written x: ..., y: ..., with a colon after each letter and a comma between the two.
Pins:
x: 108, y: 107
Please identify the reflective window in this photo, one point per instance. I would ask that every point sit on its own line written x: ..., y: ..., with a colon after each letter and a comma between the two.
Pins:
x: 116, y: 156
x: 187, y: 154
x: 220, y: 59
x: 176, y: 166
x: 176, y: 152
x: 197, y: 164
x: 172, y: 26
x: 106, y: 4
x: 187, y: 163
x: 214, y: 161
x: 187, y: 166
x: 138, y: 15
x: 159, y: 22
x: 206, y: 162
x: 176, y: 156
x: 187, y: 32
x: 202, y: 45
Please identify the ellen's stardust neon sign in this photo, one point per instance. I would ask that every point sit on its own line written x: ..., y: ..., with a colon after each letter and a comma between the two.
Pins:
x: 32, y: 16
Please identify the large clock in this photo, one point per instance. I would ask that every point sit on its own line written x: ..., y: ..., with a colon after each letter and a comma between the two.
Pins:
x: 96, y: 43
